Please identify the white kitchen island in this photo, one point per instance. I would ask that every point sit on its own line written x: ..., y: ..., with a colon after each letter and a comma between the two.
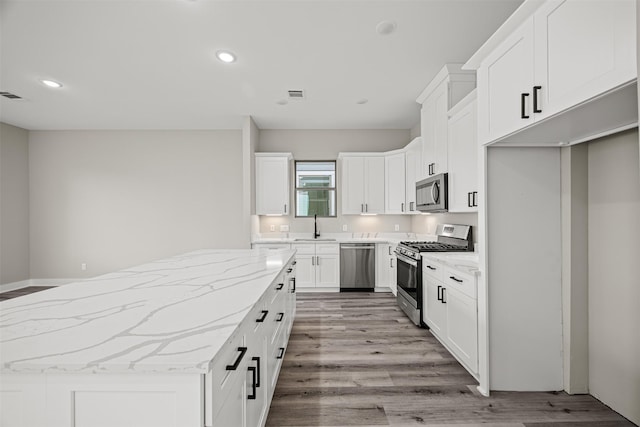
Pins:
x: 192, y: 340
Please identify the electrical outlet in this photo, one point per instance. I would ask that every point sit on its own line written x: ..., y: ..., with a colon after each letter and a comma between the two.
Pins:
x: 396, y: 227
x: 272, y: 227
x: 83, y: 266
x: 344, y: 227
x: 284, y: 227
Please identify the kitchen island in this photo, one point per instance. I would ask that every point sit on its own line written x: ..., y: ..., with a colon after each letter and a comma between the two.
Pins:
x: 183, y: 341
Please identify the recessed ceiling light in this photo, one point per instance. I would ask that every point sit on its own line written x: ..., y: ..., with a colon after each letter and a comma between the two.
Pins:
x: 362, y: 101
x: 226, y: 56
x: 386, y: 27
x: 51, y: 83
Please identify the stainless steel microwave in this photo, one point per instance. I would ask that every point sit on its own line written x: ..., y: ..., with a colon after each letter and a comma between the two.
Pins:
x: 432, y: 193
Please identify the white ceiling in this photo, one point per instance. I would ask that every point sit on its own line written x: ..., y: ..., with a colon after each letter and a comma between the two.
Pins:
x: 150, y: 64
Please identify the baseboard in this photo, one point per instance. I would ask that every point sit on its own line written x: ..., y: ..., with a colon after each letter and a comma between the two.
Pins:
x: 6, y: 287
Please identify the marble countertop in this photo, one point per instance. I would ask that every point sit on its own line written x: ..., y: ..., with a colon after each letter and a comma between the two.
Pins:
x: 467, y: 262
x: 171, y: 315
x: 342, y: 238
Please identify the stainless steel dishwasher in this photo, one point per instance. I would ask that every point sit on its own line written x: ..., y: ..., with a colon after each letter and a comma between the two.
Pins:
x: 357, y: 267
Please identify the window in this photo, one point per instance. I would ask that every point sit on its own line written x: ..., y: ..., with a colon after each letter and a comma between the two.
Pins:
x: 316, y: 188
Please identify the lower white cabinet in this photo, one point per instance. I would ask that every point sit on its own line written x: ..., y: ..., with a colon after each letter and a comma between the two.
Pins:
x: 318, y: 266
x: 451, y: 310
x: 386, y: 267
x: 240, y: 385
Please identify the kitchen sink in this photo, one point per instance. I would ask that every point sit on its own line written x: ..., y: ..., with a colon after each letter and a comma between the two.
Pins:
x: 315, y: 240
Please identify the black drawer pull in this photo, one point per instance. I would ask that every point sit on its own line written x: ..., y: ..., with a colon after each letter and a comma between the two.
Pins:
x: 280, y: 286
x: 254, y: 391
x: 456, y: 279
x: 431, y: 268
x: 293, y: 263
x: 243, y: 351
x: 293, y: 291
x: 439, y: 297
x: 469, y: 202
x: 523, y: 99
x: 289, y: 270
x: 264, y: 316
x: 443, y: 300
x: 280, y: 353
x: 280, y: 317
x: 535, y: 99
x: 257, y: 359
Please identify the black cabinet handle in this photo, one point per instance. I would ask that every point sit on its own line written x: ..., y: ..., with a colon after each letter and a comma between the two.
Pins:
x: 280, y: 286
x: 243, y: 351
x: 411, y: 208
x: 439, y: 297
x: 264, y: 316
x: 469, y: 202
x: 254, y: 391
x: 293, y: 263
x: 475, y: 199
x: 293, y: 291
x: 431, y: 268
x: 257, y: 359
x: 442, y: 299
x: 455, y: 279
x: 289, y: 270
x: 523, y: 99
x: 280, y: 317
x: 535, y: 99
x: 432, y: 167
x: 281, y: 353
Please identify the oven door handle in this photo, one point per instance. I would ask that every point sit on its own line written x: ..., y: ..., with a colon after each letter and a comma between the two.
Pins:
x: 407, y: 260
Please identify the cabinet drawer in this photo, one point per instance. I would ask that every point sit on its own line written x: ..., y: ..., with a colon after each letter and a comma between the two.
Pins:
x: 432, y: 268
x: 271, y: 246
x: 463, y: 282
x: 304, y: 248
x: 220, y: 382
x: 327, y: 249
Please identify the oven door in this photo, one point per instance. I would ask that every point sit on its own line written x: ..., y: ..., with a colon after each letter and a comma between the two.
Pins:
x: 408, y: 278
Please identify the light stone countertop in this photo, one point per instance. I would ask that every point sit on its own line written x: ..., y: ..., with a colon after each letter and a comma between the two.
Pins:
x: 365, y: 237
x: 467, y: 262
x: 171, y: 315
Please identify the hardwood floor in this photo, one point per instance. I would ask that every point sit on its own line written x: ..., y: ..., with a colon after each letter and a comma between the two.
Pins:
x: 356, y: 360
x: 23, y: 291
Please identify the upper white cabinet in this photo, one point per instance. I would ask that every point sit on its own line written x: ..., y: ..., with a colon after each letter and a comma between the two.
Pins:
x: 550, y: 57
x: 449, y: 86
x: 363, y: 183
x: 272, y: 183
x: 463, y: 156
x: 395, y: 183
x: 413, y: 161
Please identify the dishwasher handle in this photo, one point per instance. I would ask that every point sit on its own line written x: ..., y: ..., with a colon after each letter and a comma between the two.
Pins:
x: 364, y: 247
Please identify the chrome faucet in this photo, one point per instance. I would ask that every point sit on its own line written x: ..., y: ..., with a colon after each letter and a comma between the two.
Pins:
x: 315, y: 227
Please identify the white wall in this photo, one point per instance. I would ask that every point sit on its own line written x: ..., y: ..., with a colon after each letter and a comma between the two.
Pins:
x: 112, y: 199
x: 325, y: 145
x: 14, y: 204
x: 524, y: 258
x: 614, y: 279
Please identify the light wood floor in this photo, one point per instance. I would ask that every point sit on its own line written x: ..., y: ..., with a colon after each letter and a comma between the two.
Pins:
x: 356, y: 360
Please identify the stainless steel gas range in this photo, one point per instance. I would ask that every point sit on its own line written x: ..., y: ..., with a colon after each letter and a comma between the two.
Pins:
x: 450, y: 238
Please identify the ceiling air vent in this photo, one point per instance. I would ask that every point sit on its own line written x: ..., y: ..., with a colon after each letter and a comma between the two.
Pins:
x: 10, y: 95
x: 296, y: 94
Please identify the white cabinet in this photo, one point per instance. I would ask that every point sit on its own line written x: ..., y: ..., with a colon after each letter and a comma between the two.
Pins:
x: 317, y: 266
x: 463, y: 156
x: 270, y: 246
x: 386, y: 267
x: 451, y: 310
x: 449, y: 86
x: 362, y: 184
x: 395, y: 183
x: 564, y: 53
x: 272, y: 183
x: 413, y: 161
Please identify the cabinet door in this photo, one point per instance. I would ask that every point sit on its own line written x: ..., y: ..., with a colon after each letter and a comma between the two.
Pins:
x: 374, y: 185
x: 434, y: 313
x: 503, y: 78
x: 463, y: 160
x: 583, y: 48
x: 462, y: 327
x: 394, y: 185
x: 441, y: 132
x: 233, y: 411
x: 428, y: 128
x: 272, y: 186
x: 353, y: 185
x: 305, y: 271
x: 412, y: 165
x: 328, y: 271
